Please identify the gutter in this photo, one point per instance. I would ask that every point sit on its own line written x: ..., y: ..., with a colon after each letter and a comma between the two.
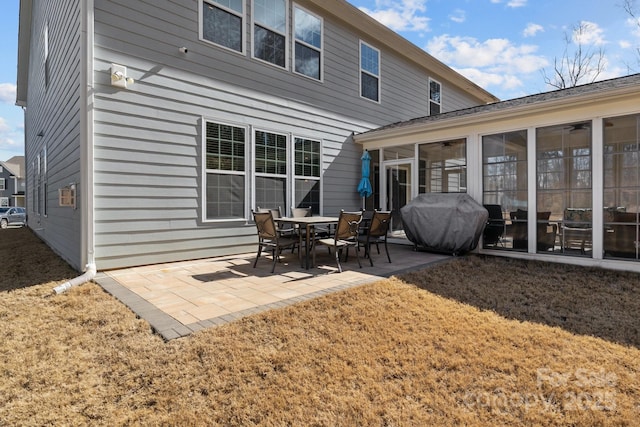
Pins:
x: 86, y: 150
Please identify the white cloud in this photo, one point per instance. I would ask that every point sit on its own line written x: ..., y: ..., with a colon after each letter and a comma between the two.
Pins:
x: 517, y: 3
x: 532, y: 29
x: 468, y: 51
x: 459, y: 16
x: 625, y: 44
x: 490, y: 63
x: 588, y: 33
x: 8, y: 93
x: 11, y: 141
x: 400, y: 15
x: 512, y: 3
x: 634, y: 23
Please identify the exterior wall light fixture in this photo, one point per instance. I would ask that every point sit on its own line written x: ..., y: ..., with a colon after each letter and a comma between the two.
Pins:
x: 119, y: 76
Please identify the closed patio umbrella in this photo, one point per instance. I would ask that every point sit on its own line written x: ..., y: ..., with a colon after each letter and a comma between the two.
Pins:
x: 364, y: 188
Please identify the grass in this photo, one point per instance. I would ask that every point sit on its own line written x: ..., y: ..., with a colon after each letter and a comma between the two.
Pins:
x: 478, y: 341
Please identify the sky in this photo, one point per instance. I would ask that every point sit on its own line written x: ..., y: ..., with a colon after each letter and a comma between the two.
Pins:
x: 501, y: 45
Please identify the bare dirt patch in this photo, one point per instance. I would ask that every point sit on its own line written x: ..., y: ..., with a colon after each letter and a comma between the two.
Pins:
x: 437, y: 347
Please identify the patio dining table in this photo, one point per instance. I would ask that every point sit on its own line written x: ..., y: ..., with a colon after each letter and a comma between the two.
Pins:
x: 309, y: 222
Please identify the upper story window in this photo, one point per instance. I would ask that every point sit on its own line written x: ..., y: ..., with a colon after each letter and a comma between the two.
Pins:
x: 435, y: 97
x: 2, y: 184
x: 222, y: 23
x: 47, y: 61
x: 369, y: 72
x: 308, y: 43
x: 270, y: 31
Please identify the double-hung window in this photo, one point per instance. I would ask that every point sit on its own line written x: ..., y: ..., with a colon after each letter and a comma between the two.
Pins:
x: 270, y: 169
x: 225, y: 147
x: 270, y: 31
x: 2, y: 184
x: 307, y: 173
x: 307, y: 44
x: 369, y: 72
x: 222, y: 23
x: 435, y: 97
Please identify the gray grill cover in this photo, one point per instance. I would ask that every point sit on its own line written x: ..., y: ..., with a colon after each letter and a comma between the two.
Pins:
x: 444, y: 222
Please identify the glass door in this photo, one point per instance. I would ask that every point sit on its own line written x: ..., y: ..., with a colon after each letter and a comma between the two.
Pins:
x: 398, y: 179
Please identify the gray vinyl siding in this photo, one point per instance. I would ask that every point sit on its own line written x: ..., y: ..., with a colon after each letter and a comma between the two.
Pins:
x: 148, y: 142
x: 54, y: 111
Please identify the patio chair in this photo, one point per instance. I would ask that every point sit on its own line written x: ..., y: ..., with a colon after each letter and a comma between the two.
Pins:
x: 545, y: 231
x: 495, y: 228
x: 576, y: 227
x: 303, y: 212
x: 277, y: 213
x: 345, y: 236
x: 376, y: 233
x: 269, y: 237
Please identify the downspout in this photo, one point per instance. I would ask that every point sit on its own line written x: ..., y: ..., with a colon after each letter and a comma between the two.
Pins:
x: 85, y: 187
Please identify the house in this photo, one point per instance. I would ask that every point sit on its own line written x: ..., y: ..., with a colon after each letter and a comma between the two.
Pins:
x: 12, y: 182
x: 152, y: 129
x: 572, y: 156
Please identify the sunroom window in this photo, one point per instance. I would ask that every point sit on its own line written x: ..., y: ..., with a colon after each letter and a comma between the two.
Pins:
x: 222, y: 23
x: 564, y: 189
x: 269, y: 31
x: 622, y: 187
x: 504, y: 166
x: 443, y: 167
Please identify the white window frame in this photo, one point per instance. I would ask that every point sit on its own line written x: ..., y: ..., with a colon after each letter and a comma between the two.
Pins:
x: 294, y: 40
x: 46, y: 58
x: 242, y: 17
x: 247, y: 173
x: 288, y: 172
x: 3, y: 184
x: 285, y: 34
x: 378, y: 77
x: 429, y: 95
x: 294, y: 201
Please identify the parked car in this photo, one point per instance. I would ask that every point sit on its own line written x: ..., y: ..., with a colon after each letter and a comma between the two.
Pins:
x: 12, y: 216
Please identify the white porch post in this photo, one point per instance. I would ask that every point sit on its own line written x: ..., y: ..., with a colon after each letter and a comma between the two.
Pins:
x: 597, y: 186
x: 532, y: 185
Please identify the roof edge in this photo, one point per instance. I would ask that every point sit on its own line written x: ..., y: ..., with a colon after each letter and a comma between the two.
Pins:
x: 24, y: 44
x: 621, y: 87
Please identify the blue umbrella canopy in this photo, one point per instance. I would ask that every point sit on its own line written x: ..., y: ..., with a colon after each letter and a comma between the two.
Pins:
x: 364, y: 188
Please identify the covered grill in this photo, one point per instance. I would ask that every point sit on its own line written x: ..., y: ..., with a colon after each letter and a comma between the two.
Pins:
x: 444, y: 222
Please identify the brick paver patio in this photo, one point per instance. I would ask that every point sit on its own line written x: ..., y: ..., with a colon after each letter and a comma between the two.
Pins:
x: 183, y: 297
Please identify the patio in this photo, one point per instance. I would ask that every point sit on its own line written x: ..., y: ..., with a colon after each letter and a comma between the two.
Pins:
x: 184, y: 297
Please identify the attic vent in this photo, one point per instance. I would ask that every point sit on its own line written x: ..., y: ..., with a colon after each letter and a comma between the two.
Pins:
x: 67, y: 196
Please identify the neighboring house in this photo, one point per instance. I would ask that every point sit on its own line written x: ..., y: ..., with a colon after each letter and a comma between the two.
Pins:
x: 572, y: 156
x: 12, y: 182
x: 152, y: 129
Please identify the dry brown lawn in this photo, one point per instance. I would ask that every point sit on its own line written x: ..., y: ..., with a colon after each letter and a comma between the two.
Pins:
x: 477, y: 341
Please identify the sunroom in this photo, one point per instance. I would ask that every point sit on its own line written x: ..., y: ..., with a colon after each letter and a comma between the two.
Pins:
x: 559, y: 171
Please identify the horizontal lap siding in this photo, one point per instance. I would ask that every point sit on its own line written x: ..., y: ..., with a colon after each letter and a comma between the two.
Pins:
x: 54, y: 112
x: 148, y: 160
